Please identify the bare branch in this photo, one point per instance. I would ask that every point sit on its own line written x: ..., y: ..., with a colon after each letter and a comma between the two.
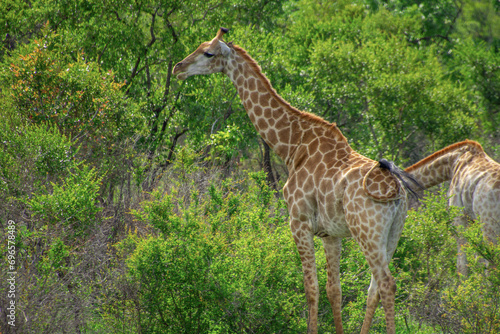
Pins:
x: 207, y: 11
x: 147, y: 47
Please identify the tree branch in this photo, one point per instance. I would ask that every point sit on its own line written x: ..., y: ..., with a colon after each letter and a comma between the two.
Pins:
x: 172, y: 147
x: 206, y: 12
x: 147, y: 47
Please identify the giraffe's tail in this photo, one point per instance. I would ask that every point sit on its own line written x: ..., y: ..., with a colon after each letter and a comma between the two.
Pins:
x: 409, y: 182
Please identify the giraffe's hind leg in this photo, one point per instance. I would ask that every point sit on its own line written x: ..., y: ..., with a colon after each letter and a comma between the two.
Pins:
x: 382, y: 288
x: 371, y: 304
x: 378, y: 237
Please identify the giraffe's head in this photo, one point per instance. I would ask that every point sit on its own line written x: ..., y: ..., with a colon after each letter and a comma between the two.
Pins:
x: 208, y: 58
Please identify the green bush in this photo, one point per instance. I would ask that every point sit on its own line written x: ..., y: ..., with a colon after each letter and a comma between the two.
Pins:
x: 475, y: 303
x: 31, y: 155
x: 71, y: 205
x: 222, y: 262
x: 430, y: 287
x: 426, y: 257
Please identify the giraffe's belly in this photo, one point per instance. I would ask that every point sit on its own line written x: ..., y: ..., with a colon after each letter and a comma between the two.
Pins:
x: 331, y: 218
x: 336, y: 228
x: 321, y: 207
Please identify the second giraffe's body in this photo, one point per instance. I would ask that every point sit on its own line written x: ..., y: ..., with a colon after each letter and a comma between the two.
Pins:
x: 327, y: 192
x: 474, y: 186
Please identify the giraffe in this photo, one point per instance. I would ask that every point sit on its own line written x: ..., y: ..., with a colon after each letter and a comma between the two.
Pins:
x: 474, y: 186
x: 331, y: 192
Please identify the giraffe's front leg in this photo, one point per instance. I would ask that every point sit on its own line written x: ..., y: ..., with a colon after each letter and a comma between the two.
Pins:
x: 303, y: 238
x: 333, y: 248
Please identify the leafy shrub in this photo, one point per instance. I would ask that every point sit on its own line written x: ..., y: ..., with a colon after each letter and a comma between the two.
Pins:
x: 475, y: 303
x: 30, y: 155
x: 222, y: 262
x: 426, y: 256
x: 71, y: 205
x: 225, y: 142
x: 431, y: 287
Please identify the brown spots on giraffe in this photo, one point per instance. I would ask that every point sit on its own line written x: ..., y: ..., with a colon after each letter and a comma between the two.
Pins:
x: 289, y: 189
x: 302, y: 175
x: 320, y: 168
x: 252, y: 117
x: 370, y: 212
x: 281, y: 121
x: 299, y: 198
x: 363, y: 216
x: 264, y: 99
x: 378, y: 178
x: 355, y: 230
x: 254, y: 96
x: 262, y: 124
x: 294, y: 225
x: 375, y: 262
x: 278, y: 114
x: 284, y: 135
x: 364, y: 228
x: 248, y: 106
x: 300, y: 157
x: 305, y: 126
x: 282, y: 150
x: 371, y: 247
x: 308, y: 184
x: 240, y: 82
x: 341, y: 146
x: 258, y: 111
x: 271, y: 137
x: 313, y: 146
x: 245, y: 96
x: 325, y: 147
x: 262, y: 87
x: 235, y: 73
x: 295, y: 128
x: 268, y: 113
x: 251, y: 84
x: 274, y: 103
x: 350, y: 207
x: 300, y: 233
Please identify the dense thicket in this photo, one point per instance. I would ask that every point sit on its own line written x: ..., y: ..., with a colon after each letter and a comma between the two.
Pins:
x: 143, y: 204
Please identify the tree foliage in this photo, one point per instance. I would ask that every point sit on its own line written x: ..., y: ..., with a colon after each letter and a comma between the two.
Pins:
x: 140, y: 202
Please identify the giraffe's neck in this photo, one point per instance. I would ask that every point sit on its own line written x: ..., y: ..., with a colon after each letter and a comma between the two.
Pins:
x: 282, y: 126
x: 441, y: 166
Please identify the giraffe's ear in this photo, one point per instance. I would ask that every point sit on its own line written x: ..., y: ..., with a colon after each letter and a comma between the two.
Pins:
x: 224, y: 49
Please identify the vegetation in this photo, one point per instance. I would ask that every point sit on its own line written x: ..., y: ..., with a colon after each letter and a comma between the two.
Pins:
x: 142, y: 204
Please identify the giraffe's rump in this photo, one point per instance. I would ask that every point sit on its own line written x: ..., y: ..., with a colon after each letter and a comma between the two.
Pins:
x: 384, y: 180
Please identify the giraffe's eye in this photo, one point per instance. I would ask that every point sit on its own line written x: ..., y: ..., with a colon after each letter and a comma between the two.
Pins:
x: 208, y: 54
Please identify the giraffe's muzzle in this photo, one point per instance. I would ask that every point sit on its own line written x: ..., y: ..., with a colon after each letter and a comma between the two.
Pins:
x: 178, y: 71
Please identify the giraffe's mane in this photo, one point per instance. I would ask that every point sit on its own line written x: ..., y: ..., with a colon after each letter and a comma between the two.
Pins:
x: 306, y: 116
x: 475, y: 146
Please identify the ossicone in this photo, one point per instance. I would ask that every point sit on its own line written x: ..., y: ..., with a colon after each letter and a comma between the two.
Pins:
x: 221, y: 32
